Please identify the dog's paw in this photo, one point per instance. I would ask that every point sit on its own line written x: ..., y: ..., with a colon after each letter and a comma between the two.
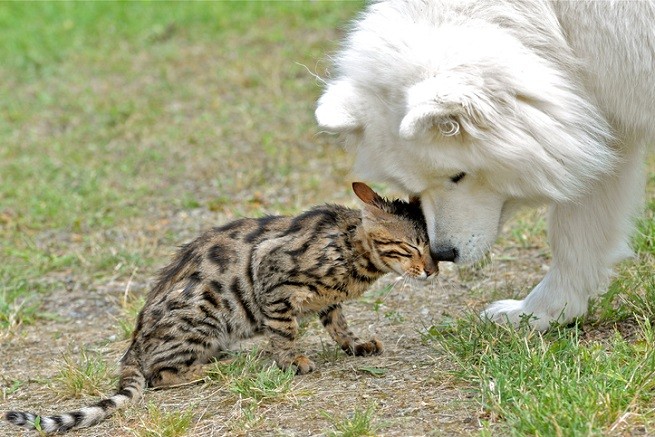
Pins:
x: 514, y: 313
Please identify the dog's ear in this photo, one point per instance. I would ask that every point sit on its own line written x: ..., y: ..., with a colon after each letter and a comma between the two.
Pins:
x: 339, y: 108
x: 443, y: 103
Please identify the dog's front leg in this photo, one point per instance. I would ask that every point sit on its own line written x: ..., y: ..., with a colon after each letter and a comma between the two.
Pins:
x: 587, y: 236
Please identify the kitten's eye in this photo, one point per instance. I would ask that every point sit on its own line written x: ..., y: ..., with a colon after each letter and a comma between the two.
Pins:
x: 458, y: 177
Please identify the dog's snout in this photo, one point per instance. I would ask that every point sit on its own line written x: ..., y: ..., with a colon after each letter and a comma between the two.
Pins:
x: 444, y: 253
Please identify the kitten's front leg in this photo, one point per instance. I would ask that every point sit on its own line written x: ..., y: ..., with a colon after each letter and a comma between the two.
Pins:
x: 282, y: 333
x: 335, y: 323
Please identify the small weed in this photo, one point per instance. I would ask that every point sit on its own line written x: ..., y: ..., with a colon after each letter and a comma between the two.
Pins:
x: 37, y: 425
x: 159, y: 423
x: 88, y: 375
x: 15, y: 312
x: 234, y: 366
x: 130, y: 308
x: 359, y: 423
x: 248, y: 418
x: 189, y: 203
x: 252, y: 378
x: 306, y: 323
x: 11, y: 387
x: 373, y: 371
x: 376, y: 297
x: 644, y: 240
x: 253, y: 381
x: 330, y: 352
x: 268, y: 383
x: 394, y: 316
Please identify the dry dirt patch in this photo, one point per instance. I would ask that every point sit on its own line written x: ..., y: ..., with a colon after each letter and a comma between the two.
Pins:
x: 409, y: 387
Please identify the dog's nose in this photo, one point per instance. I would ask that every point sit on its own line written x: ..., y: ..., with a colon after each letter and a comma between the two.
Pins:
x: 444, y: 253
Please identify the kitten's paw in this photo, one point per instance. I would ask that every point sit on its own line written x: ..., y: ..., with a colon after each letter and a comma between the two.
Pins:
x: 303, y: 365
x: 366, y: 348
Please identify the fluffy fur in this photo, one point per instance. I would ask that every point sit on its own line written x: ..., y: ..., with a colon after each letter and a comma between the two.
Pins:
x: 255, y: 277
x: 535, y: 101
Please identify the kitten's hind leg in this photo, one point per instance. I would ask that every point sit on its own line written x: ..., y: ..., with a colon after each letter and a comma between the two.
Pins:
x: 282, y: 332
x: 175, y: 376
x: 335, y: 323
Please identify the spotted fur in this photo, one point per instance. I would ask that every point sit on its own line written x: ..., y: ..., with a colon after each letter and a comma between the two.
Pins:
x: 258, y: 276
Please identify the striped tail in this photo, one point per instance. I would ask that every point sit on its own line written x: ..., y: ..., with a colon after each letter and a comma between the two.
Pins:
x: 131, y: 387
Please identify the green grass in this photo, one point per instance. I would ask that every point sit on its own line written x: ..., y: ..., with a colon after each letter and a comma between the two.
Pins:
x: 253, y: 378
x: 84, y: 374
x: 358, y: 423
x: 113, y: 116
x: 555, y: 383
x: 160, y: 423
x: 252, y: 383
x: 39, y: 37
x: 595, y: 378
x: 126, y: 127
x: 130, y: 308
x: 13, y: 311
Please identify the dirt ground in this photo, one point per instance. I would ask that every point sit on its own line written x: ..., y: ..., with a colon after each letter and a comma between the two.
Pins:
x: 411, y: 388
x: 231, y: 132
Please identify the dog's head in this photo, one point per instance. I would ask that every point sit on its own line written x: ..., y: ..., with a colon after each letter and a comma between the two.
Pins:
x: 468, y: 118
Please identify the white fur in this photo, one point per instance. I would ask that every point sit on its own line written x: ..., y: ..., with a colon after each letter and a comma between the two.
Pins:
x: 537, y: 101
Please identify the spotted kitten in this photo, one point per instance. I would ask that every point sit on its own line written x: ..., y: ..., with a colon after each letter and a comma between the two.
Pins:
x: 258, y: 276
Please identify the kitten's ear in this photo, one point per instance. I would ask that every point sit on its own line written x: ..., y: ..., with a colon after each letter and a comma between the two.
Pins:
x: 367, y: 195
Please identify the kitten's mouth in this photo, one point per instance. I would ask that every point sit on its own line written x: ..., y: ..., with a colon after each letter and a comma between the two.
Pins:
x: 427, y: 276
x: 422, y: 276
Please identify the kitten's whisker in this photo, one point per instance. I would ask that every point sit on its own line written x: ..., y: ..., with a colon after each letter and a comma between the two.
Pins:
x: 393, y: 285
x: 407, y: 280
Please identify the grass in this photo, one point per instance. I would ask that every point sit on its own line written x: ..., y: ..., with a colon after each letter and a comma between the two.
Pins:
x: 116, y: 102
x: 358, y: 423
x: 128, y: 127
x: 253, y: 378
x: 160, y: 423
x: 84, y: 374
x: 252, y: 383
x: 131, y: 305
x: 555, y: 383
x: 14, y: 312
x: 595, y: 378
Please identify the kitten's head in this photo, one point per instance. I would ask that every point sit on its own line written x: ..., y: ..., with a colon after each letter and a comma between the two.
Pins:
x: 397, y: 233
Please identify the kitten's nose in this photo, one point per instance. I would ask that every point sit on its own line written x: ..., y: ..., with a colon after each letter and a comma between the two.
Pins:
x: 430, y: 267
x: 444, y: 253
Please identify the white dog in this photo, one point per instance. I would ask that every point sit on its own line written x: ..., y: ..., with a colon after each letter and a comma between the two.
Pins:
x: 480, y: 106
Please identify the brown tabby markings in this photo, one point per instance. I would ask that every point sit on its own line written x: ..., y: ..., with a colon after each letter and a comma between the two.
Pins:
x: 258, y: 276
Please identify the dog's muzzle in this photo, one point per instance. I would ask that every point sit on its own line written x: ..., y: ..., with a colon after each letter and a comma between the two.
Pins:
x: 444, y: 253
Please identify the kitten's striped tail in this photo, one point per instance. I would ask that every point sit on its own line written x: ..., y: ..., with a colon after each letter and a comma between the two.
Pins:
x: 131, y: 386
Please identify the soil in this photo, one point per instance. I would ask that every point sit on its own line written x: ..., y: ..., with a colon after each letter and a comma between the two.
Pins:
x: 410, y: 386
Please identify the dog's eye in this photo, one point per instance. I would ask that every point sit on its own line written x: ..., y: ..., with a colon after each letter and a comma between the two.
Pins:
x: 458, y: 177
